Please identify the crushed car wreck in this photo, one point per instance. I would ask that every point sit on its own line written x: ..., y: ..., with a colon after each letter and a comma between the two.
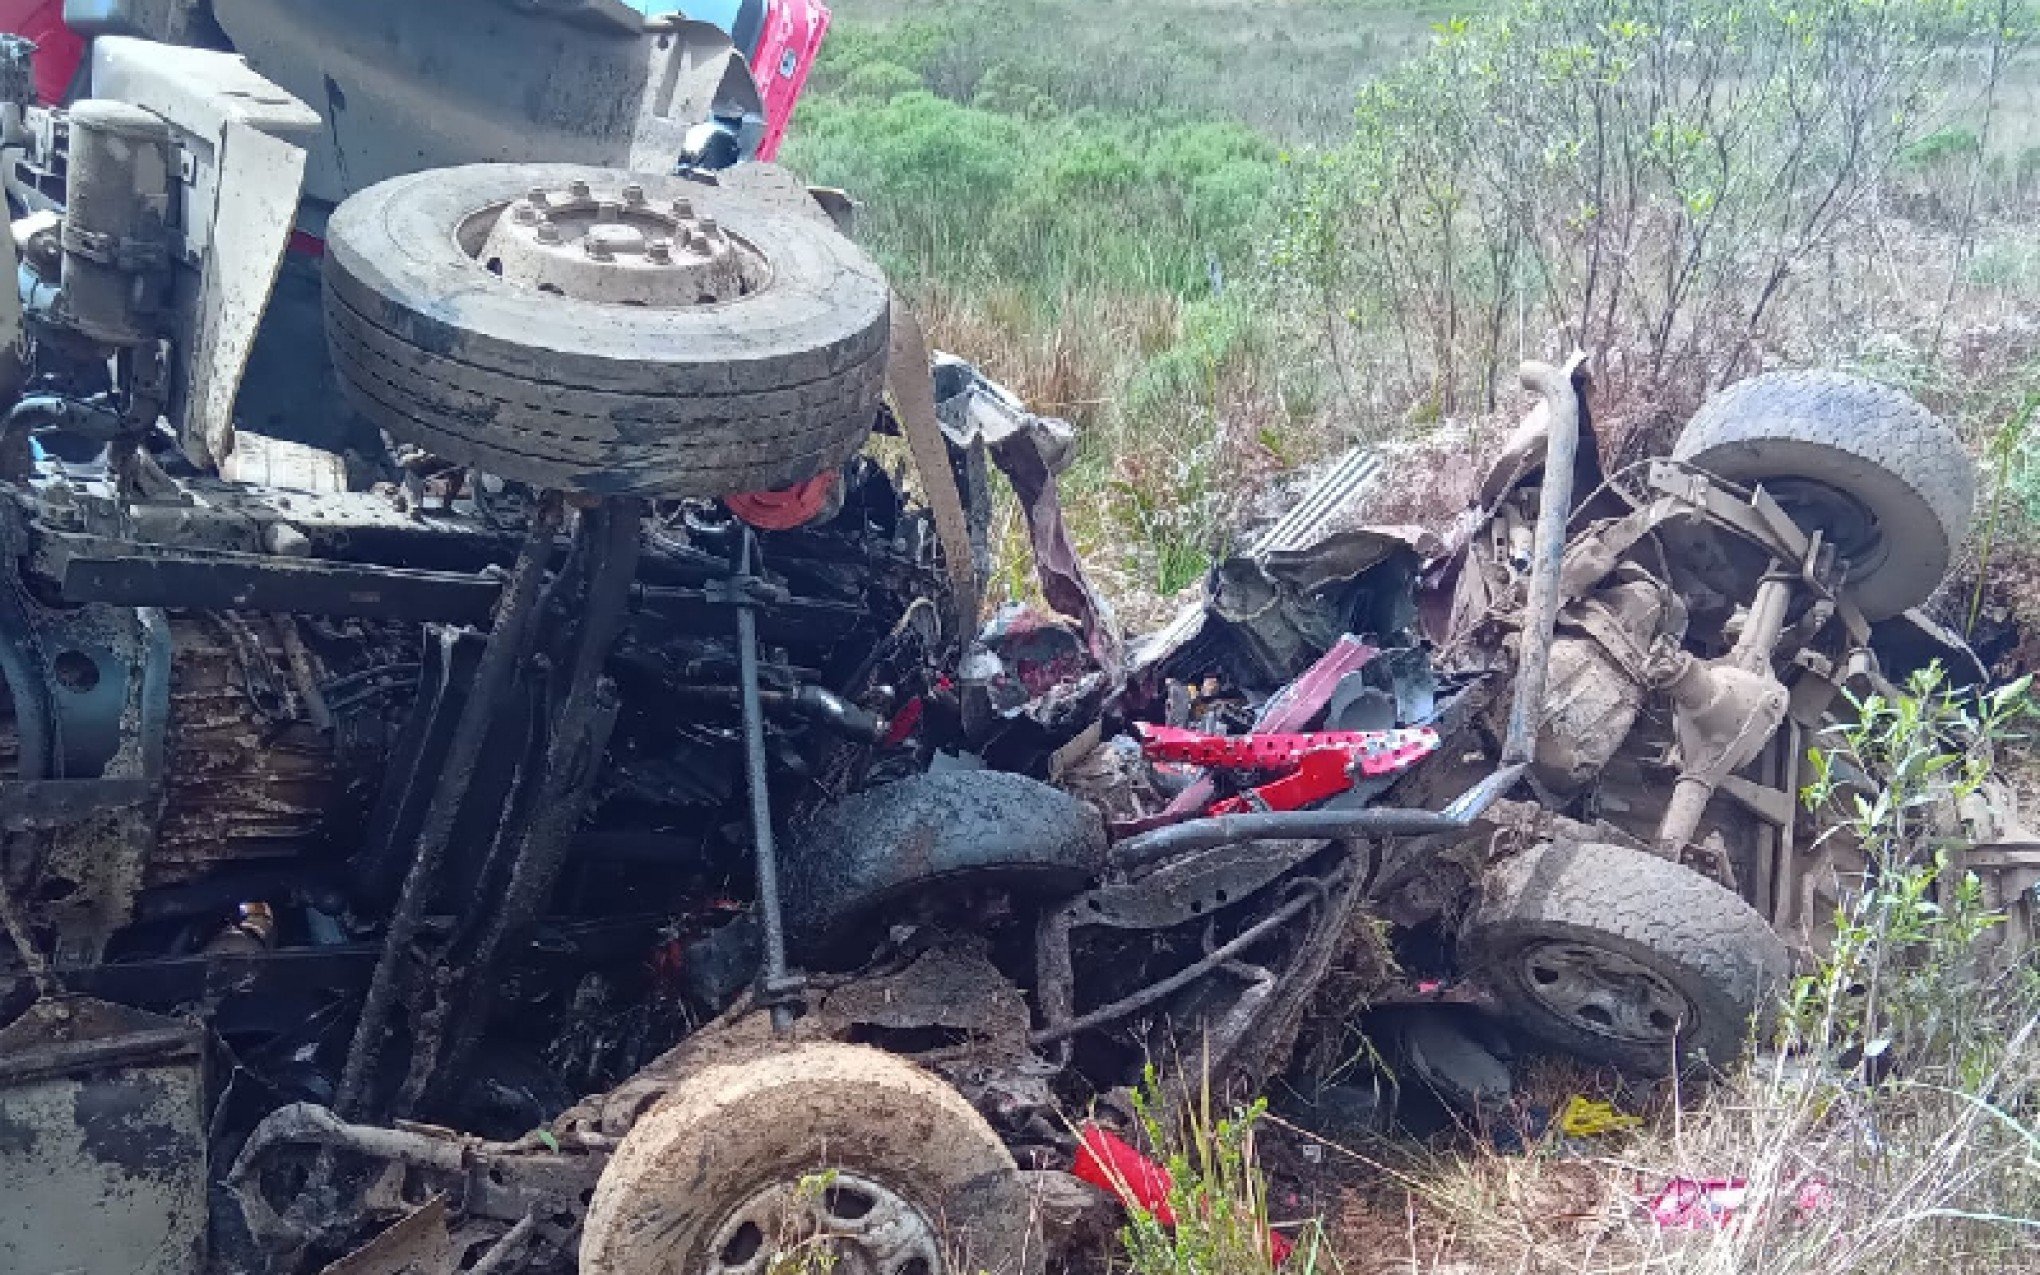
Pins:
x: 504, y: 780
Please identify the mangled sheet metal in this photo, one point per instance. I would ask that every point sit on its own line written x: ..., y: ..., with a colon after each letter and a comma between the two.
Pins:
x: 982, y: 418
x: 102, y: 1141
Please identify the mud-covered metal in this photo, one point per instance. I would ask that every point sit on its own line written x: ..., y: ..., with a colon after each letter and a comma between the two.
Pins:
x: 117, y: 226
x: 1563, y: 390
x: 613, y: 245
x: 102, y: 1140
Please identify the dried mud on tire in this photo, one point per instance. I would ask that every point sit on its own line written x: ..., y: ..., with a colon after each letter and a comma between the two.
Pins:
x: 751, y: 394
x: 1696, y: 936
x: 730, y: 1130
x: 1893, y: 461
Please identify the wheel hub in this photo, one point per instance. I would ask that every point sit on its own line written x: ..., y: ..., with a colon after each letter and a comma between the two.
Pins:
x: 1604, y: 992
x: 849, y: 1224
x: 612, y: 245
x: 1844, y: 520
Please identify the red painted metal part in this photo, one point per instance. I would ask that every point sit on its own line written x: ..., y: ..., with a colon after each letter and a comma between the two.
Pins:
x: 58, y: 49
x: 1323, y: 774
x: 1292, y: 708
x: 1111, y: 1163
x: 790, y: 507
x: 1326, y: 762
x: 1371, y: 752
x: 781, y: 62
x: 903, y: 723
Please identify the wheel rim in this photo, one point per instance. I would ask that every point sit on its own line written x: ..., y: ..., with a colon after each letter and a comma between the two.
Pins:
x: 613, y: 245
x: 1844, y: 521
x: 860, y: 1226
x: 1603, y: 992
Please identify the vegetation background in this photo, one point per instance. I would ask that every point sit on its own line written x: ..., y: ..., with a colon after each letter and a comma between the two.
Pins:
x: 1231, y: 240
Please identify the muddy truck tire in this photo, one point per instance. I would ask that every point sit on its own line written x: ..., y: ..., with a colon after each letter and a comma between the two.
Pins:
x: 838, y: 1146
x: 974, y: 829
x: 1617, y: 956
x: 613, y: 333
x: 1887, y: 483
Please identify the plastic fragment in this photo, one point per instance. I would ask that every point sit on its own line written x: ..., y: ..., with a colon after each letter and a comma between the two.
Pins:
x: 1685, y: 1204
x: 1582, y: 1117
x: 1692, y: 1203
x: 1110, y: 1163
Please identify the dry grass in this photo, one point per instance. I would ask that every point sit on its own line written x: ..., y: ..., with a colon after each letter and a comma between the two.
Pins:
x: 1839, y: 1179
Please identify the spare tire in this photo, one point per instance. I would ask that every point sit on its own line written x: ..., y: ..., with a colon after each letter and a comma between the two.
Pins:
x: 1617, y: 956
x: 1881, y: 477
x: 615, y: 333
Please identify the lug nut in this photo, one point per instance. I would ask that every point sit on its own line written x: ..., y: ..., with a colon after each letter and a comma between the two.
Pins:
x: 633, y: 194
x: 595, y: 248
x: 660, y: 250
x: 578, y: 189
x: 683, y: 208
x: 708, y: 227
x: 536, y: 195
x: 698, y: 242
x: 524, y: 215
x: 608, y: 210
x: 548, y: 233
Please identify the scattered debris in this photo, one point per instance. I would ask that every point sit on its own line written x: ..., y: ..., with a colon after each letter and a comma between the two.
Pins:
x: 561, y: 751
x: 1110, y: 1163
x: 1702, y: 1203
x: 1584, y: 1117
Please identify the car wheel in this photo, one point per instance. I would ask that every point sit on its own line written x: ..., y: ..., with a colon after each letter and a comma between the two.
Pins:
x: 615, y: 333
x: 1887, y: 484
x: 1618, y: 956
x: 843, y: 1152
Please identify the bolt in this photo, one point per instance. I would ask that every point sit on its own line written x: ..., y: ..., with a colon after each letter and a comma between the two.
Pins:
x: 660, y: 250
x: 683, y: 208
x: 708, y: 227
x: 633, y: 194
x: 578, y: 189
x: 698, y: 242
x: 548, y: 233
x: 595, y: 248
x: 536, y: 195
x: 524, y: 215
x: 608, y: 210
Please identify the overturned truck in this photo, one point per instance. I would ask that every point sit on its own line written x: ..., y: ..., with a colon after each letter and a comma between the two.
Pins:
x: 502, y: 778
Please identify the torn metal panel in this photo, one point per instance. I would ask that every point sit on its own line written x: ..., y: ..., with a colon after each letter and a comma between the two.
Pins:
x: 405, y: 87
x: 980, y: 416
x: 1306, y: 521
x: 102, y: 1141
x: 947, y: 995
x: 416, y: 1244
x: 259, y: 179
x: 242, y: 139
x: 1276, y: 613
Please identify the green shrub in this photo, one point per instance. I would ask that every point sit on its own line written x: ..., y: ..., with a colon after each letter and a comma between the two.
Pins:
x: 879, y: 81
x: 1940, y: 147
x: 1892, y: 781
